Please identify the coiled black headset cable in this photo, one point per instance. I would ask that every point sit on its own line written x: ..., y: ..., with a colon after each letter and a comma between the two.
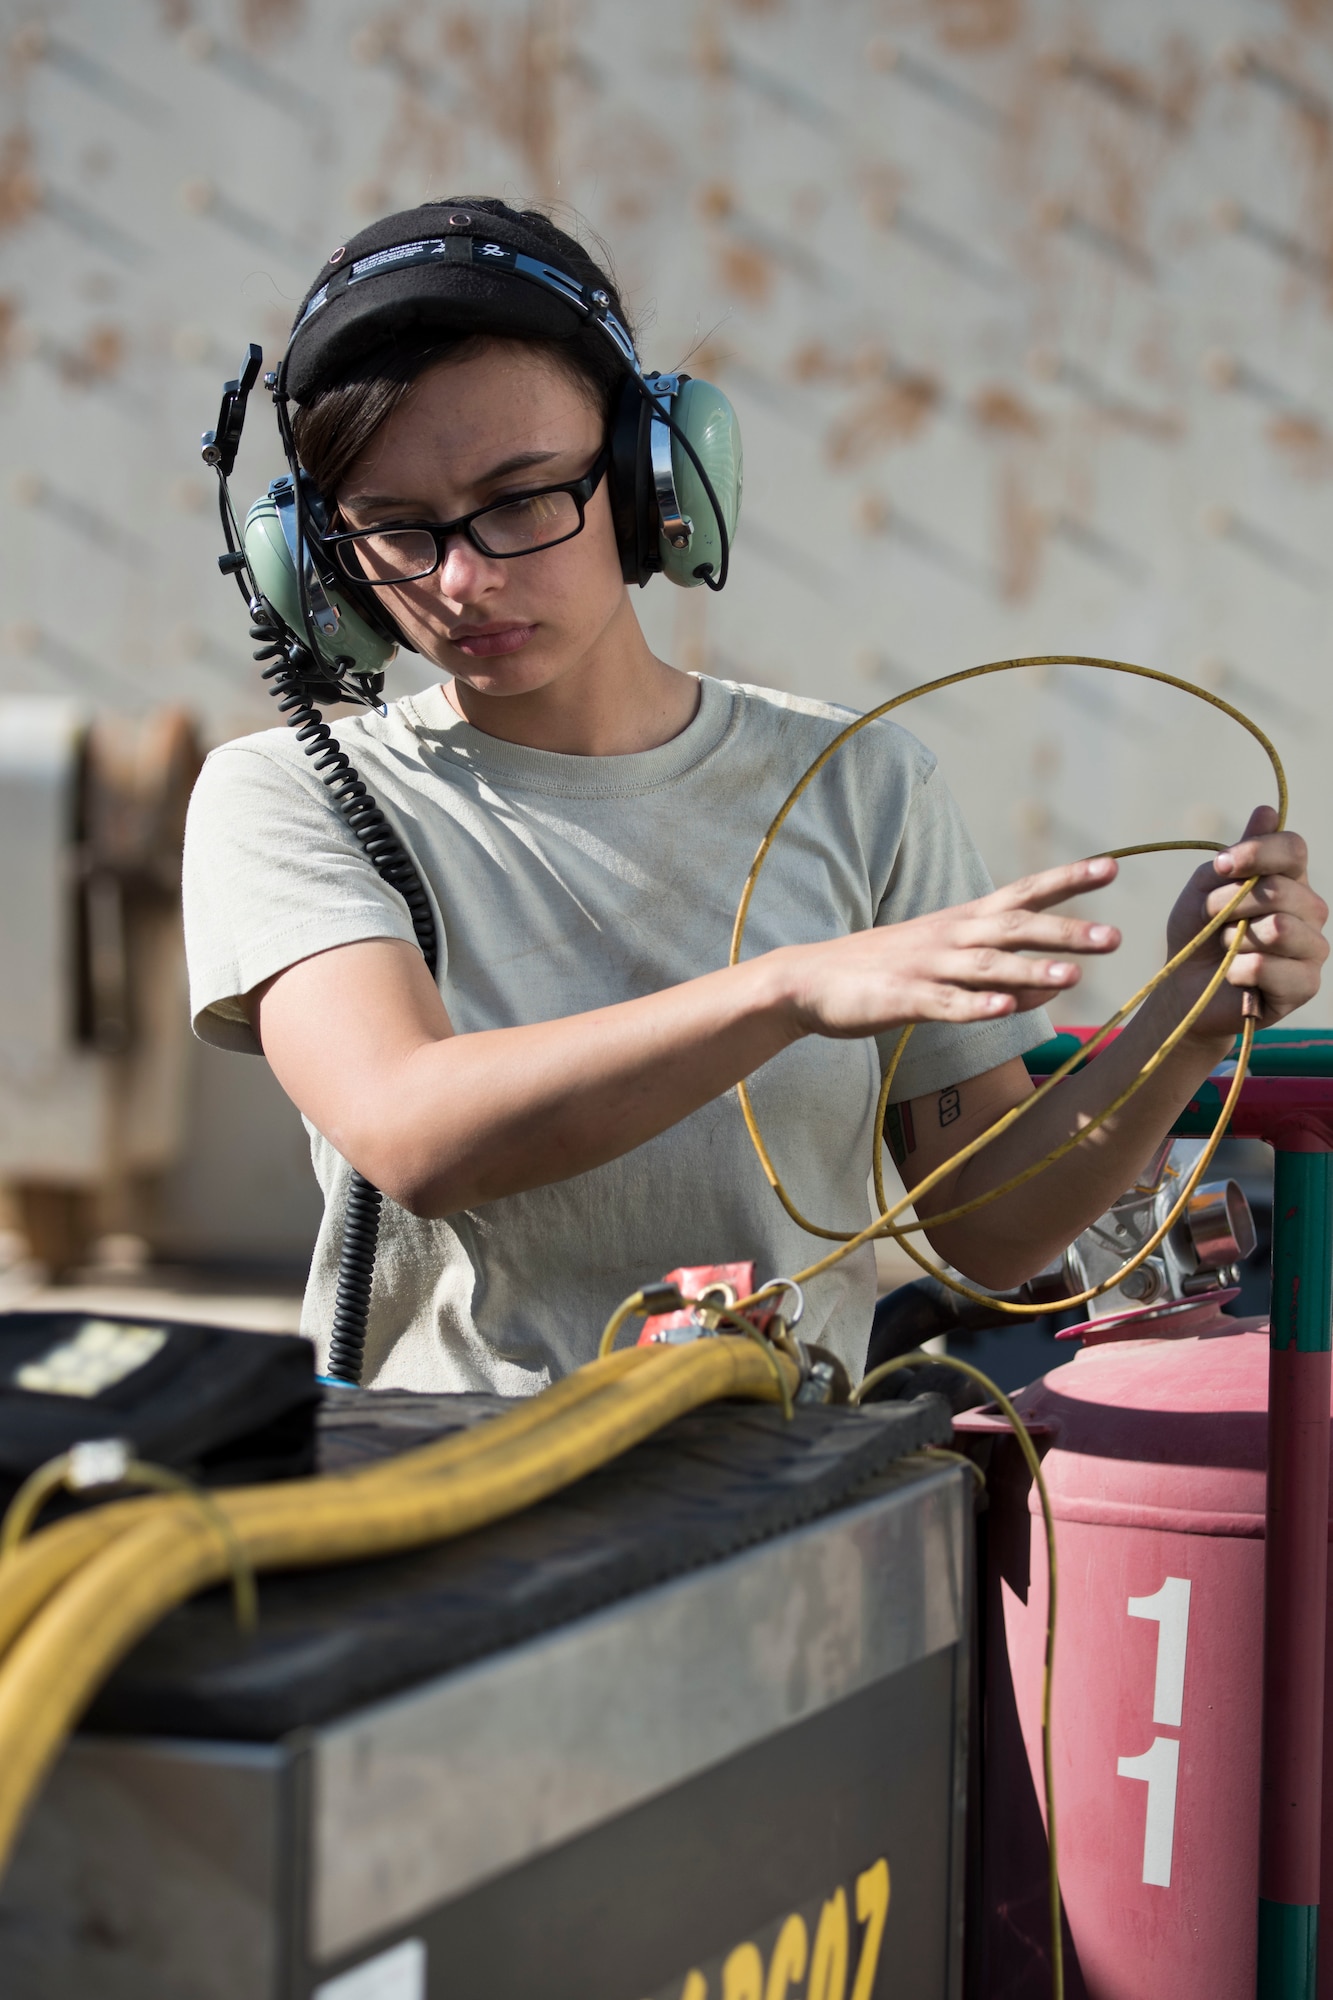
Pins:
x: 287, y: 674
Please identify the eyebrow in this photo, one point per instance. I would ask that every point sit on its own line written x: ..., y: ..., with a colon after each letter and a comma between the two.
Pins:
x: 522, y: 461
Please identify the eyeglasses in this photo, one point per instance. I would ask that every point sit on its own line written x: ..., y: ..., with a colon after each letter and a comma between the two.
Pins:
x: 518, y: 526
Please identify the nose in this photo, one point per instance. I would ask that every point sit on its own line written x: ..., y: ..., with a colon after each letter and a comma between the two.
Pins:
x: 465, y: 573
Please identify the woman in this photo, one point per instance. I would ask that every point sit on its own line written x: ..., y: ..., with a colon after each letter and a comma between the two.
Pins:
x: 554, y: 1115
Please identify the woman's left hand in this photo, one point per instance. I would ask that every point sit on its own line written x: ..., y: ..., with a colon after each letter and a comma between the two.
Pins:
x: 1285, y: 946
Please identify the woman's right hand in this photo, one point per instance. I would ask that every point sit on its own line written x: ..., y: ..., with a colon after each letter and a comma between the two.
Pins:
x: 961, y: 964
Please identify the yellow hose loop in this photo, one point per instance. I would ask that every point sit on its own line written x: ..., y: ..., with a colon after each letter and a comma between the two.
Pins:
x: 861, y: 722
x: 1033, y: 1462
x: 60, y: 1472
x: 39, y: 1566
x: 623, y: 1312
x: 89, y: 1623
x: 883, y: 1224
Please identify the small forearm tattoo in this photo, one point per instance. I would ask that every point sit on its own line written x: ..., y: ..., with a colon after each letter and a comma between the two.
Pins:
x: 900, y: 1132
x: 951, y: 1106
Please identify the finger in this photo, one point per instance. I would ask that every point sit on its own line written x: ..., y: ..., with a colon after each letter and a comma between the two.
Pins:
x: 1287, y: 982
x: 1031, y: 930
x: 1052, y: 885
x: 1272, y: 893
x: 1030, y: 998
x: 956, y: 1003
x: 1282, y: 936
x: 1004, y: 971
x: 1272, y: 854
x: 1262, y: 819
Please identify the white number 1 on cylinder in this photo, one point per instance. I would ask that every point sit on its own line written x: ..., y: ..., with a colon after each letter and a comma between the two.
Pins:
x: 1159, y: 1765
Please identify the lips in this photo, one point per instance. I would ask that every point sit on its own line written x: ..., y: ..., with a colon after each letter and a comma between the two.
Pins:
x: 485, y: 642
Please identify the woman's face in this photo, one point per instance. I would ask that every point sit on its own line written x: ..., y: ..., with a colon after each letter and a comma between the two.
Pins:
x: 503, y: 421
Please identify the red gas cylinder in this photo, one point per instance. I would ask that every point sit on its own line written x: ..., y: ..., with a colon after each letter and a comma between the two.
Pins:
x: 1154, y: 1446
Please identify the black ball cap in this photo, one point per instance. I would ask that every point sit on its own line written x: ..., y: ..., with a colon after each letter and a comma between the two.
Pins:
x: 427, y: 298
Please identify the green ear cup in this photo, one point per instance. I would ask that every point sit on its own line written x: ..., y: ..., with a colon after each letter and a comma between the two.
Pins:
x: 709, y: 422
x: 270, y: 548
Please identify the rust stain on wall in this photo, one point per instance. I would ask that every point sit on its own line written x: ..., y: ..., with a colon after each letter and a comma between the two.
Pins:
x: 977, y: 24
x: 1020, y: 535
x: 715, y: 201
x: 708, y: 48
x: 1166, y: 93
x: 1310, y: 13
x: 881, y: 186
x: 513, y: 71
x: 746, y: 272
x: 264, y: 21
x: 1001, y: 410
x: 1310, y: 129
x: 98, y: 356
x: 636, y: 163
x: 890, y: 414
x: 1305, y: 444
x: 20, y: 189
x: 816, y: 361
x: 9, y: 323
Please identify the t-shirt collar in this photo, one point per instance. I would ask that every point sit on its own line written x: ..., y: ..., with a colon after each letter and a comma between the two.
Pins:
x: 444, y: 733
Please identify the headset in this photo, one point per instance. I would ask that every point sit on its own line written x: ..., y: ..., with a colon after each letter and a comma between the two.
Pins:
x: 674, y: 478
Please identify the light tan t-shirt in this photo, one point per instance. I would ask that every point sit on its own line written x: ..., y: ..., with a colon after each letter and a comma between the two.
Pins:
x: 561, y: 884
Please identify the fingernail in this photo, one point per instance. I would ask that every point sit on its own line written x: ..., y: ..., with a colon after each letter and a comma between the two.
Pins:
x: 1225, y: 863
x: 995, y: 1003
x: 1103, y: 865
x: 1101, y: 934
x: 1061, y: 969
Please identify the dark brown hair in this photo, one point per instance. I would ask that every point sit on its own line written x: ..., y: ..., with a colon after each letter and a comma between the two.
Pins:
x: 333, y: 430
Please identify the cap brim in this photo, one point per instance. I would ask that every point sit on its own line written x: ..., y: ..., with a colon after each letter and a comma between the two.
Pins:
x: 394, y: 306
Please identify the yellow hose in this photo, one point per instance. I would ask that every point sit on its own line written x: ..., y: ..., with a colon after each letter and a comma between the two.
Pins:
x: 883, y: 1223
x: 30, y: 1574
x: 156, y: 1561
x: 1033, y: 1461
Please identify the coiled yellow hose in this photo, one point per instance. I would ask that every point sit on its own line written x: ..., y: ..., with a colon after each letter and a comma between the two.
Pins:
x: 164, y: 1550
x: 884, y: 1224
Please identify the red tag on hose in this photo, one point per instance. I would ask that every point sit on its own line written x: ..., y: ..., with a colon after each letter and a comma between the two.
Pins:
x: 717, y: 1284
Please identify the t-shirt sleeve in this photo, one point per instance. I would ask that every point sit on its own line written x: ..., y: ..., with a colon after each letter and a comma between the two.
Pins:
x: 936, y: 866
x: 271, y: 876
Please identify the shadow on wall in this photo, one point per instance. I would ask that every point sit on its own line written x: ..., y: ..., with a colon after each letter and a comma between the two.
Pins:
x: 244, y: 1191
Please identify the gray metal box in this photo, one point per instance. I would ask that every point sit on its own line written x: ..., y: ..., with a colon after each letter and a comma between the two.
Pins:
x: 659, y: 1799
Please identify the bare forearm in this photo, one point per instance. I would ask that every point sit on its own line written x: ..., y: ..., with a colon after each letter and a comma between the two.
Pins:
x: 475, y: 1116
x: 1011, y: 1238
